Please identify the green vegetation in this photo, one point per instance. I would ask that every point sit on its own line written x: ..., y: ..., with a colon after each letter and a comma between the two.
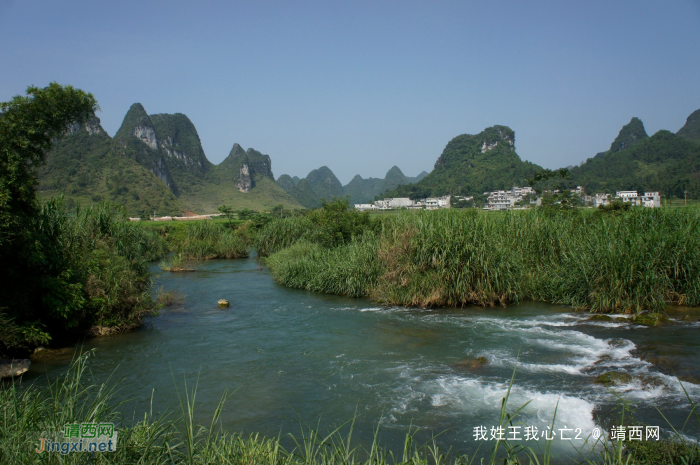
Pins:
x: 691, y: 129
x: 32, y: 412
x: 324, y: 183
x: 163, y: 170
x: 300, y: 191
x: 638, y: 260
x: 64, y: 271
x: 86, y: 169
x: 663, y: 162
x: 331, y: 225
x: 204, y: 241
x: 472, y: 165
x: 178, y: 262
x: 630, y: 135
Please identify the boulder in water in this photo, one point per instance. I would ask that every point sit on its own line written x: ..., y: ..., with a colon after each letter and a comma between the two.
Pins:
x: 13, y: 367
x: 614, y: 378
x: 223, y: 303
x: 470, y: 363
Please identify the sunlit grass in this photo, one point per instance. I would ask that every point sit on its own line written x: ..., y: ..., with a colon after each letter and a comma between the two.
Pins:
x: 641, y: 260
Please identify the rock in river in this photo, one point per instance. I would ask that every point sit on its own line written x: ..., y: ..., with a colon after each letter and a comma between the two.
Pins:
x: 13, y: 367
x: 223, y: 303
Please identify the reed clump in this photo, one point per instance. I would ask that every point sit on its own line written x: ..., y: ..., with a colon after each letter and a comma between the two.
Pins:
x: 643, y: 259
x: 178, y: 263
x: 350, y: 269
x: 205, y: 240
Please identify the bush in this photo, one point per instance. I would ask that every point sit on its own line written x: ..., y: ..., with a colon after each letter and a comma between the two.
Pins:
x: 95, y: 272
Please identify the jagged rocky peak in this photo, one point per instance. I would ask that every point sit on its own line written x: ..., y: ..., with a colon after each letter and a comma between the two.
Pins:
x: 247, y: 165
x: 92, y: 126
x: 630, y: 135
x: 260, y: 163
x: 137, y: 123
x: 496, y: 134
x: 178, y: 137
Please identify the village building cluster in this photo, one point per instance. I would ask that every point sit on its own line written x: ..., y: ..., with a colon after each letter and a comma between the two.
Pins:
x: 513, y: 199
x: 430, y: 203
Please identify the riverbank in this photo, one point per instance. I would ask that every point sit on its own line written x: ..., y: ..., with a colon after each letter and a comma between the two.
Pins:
x: 33, y: 413
x: 90, y: 276
x: 645, y: 259
x: 294, y: 357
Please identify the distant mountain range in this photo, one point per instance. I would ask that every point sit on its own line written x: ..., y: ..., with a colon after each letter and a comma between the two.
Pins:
x: 323, y: 184
x: 156, y: 162
x: 665, y: 162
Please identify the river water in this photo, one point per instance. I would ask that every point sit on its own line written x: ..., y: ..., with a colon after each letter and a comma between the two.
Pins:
x: 298, y: 358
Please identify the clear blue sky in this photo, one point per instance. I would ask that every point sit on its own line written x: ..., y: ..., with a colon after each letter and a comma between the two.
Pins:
x: 364, y: 85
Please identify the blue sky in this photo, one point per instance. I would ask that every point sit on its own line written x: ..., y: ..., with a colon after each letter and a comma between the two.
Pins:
x: 361, y: 86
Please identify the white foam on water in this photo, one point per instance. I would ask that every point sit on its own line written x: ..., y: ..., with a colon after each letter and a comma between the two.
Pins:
x: 567, y: 352
x: 482, y: 399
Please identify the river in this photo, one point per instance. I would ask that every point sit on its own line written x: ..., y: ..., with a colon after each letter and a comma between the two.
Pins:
x: 294, y: 357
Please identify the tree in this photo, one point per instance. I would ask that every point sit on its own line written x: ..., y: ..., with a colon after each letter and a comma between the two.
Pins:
x: 548, y: 179
x: 29, y: 126
x: 228, y: 212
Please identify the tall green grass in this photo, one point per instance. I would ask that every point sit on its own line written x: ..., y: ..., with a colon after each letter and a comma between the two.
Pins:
x: 205, y: 240
x: 645, y: 259
x: 349, y: 269
x: 91, y: 270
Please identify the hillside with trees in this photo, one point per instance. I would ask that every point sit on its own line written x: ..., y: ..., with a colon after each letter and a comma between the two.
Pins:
x: 664, y: 162
x: 156, y: 163
x: 472, y: 165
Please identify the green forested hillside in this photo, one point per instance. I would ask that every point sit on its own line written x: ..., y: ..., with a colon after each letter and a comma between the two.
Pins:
x: 300, y: 191
x: 473, y: 164
x: 85, y: 168
x: 630, y: 135
x: 324, y: 183
x: 691, y: 129
x: 664, y: 162
x: 157, y: 163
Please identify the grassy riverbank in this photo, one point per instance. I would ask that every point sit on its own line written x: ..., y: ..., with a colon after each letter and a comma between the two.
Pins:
x: 91, y: 277
x: 644, y: 259
x: 30, y: 413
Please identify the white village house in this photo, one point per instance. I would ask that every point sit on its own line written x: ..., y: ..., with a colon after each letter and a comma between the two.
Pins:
x: 432, y: 203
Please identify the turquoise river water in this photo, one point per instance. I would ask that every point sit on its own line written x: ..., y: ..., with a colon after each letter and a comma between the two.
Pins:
x: 294, y: 357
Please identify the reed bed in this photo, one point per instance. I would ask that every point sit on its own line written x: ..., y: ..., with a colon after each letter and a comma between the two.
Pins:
x: 205, y: 240
x: 350, y: 269
x: 31, y: 412
x: 644, y: 259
